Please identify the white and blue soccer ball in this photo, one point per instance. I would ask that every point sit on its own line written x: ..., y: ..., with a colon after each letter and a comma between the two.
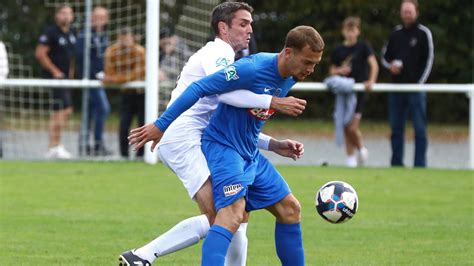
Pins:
x: 337, y: 202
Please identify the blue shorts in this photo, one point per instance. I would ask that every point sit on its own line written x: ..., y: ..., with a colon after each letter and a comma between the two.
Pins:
x: 234, y: 177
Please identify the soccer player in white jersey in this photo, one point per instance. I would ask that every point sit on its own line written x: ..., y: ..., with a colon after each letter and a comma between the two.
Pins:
x: 180, y: 147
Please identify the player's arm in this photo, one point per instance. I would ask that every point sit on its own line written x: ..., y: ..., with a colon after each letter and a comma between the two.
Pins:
x: 216, y: 61
x: 286, y: 148
x: 247, y: 99
x: 41, y: 54
x: 240, y: 75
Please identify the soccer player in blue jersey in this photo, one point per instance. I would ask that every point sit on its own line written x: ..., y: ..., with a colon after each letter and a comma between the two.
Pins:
x: 243, y: 179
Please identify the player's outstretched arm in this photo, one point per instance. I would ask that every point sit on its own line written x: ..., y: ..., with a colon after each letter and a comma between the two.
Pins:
x: 287, y: 148
x: 288, y: 105
x: 141, y: 135
x: 248, y: 99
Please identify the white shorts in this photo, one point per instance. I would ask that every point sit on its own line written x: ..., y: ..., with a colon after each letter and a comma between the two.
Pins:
x: 187, y: 161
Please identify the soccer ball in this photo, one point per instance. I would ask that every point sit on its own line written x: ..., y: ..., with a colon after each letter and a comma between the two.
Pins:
x: 337, y: 202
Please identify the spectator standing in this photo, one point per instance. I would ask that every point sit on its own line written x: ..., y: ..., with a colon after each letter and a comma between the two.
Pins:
x: 55, y: 53
x: 408, y: 56
x: 99, y: 106
x: 124, y: 62
x: 355, y: 58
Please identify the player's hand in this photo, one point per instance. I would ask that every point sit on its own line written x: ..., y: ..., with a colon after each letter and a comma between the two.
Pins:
x: 139, y: 136
x: 287, y: 148
x: 288, y: 105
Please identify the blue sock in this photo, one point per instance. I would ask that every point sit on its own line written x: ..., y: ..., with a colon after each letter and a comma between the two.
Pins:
x: 289, y: 244
x: 215, y: 246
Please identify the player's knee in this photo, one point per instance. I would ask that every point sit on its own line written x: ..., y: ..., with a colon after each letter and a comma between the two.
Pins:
x: 238, y: 214
x: 231, y: 216
x: 238, y: 218
x: 292, y: 210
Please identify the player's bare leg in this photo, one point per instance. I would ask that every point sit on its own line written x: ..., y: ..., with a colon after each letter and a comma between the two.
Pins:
x: 205, y: 201
x: 286, y: 211
x: 216, y: 244
x: 237, y: 252
x: 189, y: 231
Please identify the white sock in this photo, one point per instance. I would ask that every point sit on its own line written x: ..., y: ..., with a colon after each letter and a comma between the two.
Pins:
x: 186, y: 233
x: 237, y: 252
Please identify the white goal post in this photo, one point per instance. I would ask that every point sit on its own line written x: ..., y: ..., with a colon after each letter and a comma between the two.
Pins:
x: 151, y: 76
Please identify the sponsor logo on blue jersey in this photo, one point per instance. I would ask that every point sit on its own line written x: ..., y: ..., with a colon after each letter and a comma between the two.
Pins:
x: 261, y: 114
x: 230, y: 73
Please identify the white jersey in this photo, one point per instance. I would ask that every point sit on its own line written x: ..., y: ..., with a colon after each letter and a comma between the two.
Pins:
x: 188, y: 127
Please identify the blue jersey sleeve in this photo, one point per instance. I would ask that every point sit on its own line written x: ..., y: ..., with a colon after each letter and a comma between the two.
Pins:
x: 239, y: 75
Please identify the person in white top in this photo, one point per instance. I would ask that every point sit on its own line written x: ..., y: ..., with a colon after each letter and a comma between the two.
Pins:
x: 180, y: 146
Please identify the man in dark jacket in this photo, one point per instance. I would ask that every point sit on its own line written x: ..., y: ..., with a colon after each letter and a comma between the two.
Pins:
x: 409, y: 57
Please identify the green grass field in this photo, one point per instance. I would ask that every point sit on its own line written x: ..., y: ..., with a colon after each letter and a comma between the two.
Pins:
x: 86, y: 213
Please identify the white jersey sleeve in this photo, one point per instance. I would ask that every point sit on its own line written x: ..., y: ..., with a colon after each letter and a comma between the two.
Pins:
x: 246, y: 99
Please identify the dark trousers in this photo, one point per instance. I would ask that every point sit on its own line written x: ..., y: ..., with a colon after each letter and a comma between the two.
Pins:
x: 131, y: 104
x: 400, y: 104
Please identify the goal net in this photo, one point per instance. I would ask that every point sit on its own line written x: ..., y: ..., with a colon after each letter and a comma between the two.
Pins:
x: 26, y: 107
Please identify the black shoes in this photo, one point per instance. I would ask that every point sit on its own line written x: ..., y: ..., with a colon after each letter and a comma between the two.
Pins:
x: 130, y: 259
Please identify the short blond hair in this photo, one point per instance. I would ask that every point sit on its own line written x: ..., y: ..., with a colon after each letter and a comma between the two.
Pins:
x: 301, y: 36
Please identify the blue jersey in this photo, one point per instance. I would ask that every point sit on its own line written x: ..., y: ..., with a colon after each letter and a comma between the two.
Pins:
x: 237, y: 128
